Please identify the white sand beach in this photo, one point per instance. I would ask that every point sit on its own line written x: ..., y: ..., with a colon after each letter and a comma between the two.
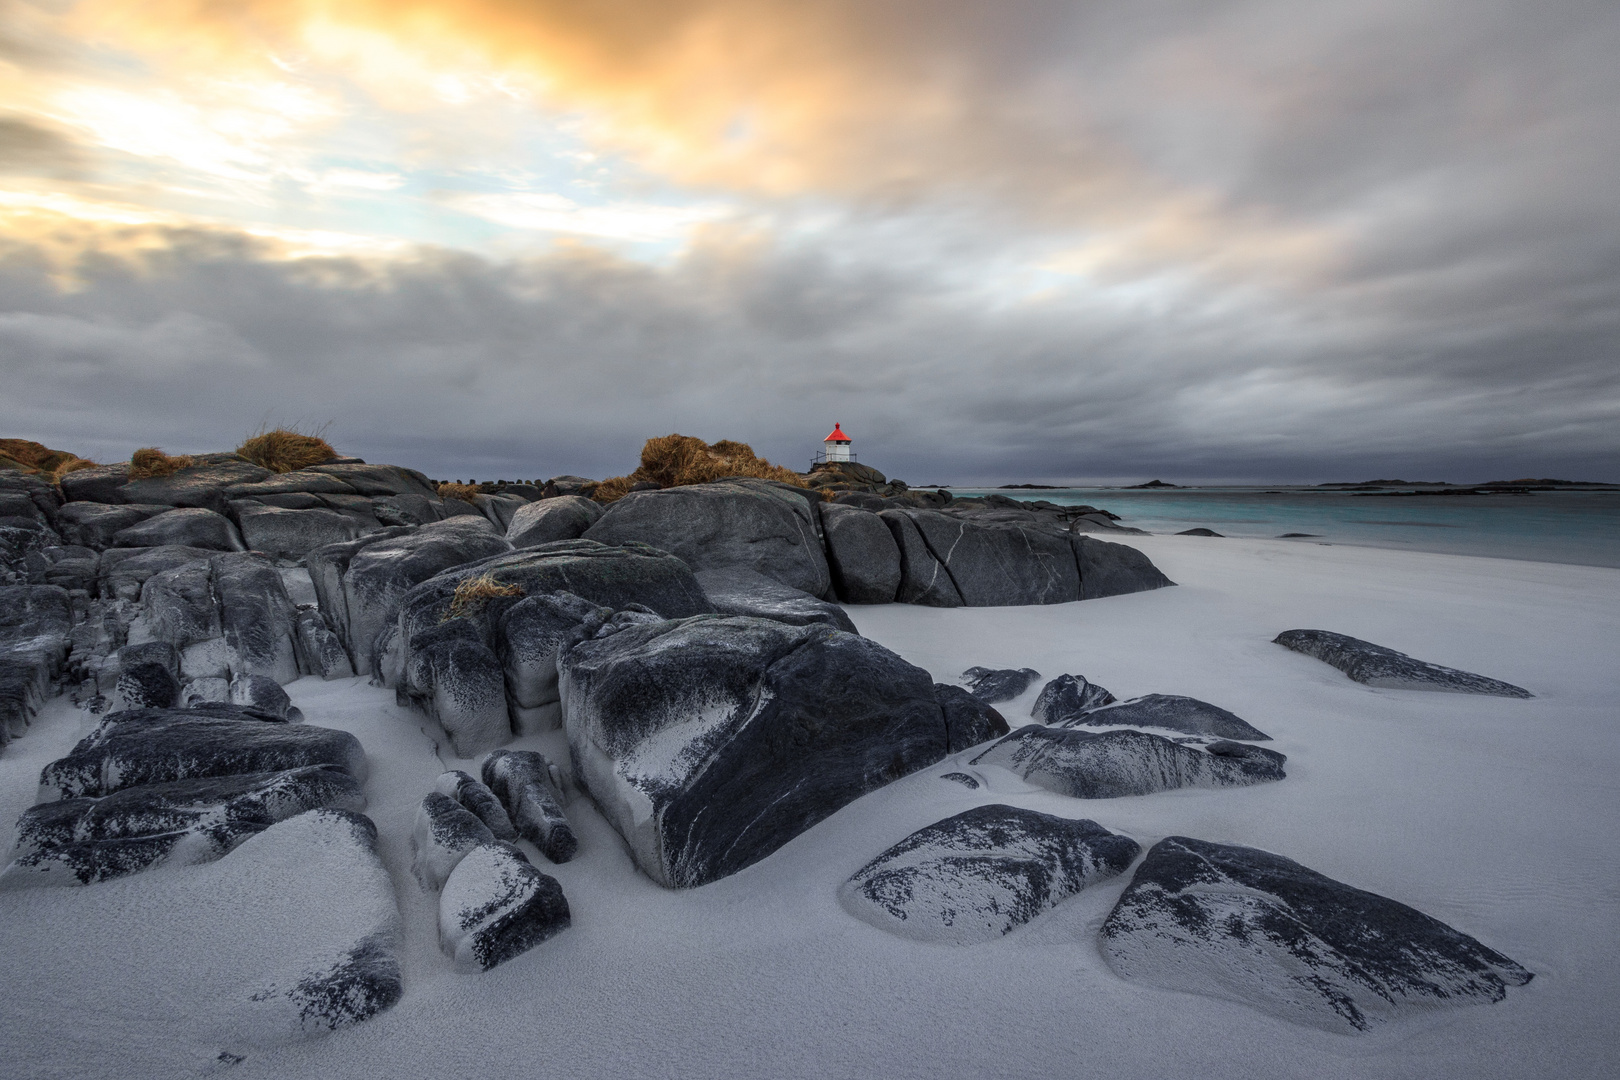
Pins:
x: 1500, y: 817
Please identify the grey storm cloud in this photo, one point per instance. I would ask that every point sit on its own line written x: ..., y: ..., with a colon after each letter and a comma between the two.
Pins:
x: 1458, y: 317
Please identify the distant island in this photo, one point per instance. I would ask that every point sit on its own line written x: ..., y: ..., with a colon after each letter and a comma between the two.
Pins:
x: 1150, y: 484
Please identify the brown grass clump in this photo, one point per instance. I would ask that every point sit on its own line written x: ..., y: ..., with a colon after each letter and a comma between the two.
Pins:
x: 473, y: 593
x: 75, y: 465
x: 679, y: 460
x: 283, y: 450
x: 38, y: 459
x: 150, y: 462
x: 464, y: 492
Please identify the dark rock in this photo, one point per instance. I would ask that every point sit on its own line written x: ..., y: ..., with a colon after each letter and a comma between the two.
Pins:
x: 923, y: 579
x: 712, y: 741
x: 1249, y: 926
x: 961, y: 778
x: 526, y: 784
x: 95, y: 524
x: 379, y: 479
x: 202, y: 485
x: 1375, y: 665
x: 1171, y: 712
x: 1114, y: 569
x: 737, y: 591
x: 454, y: 678
x: 76, y: 841
x: 293, y: 533
x: 1111, y: 764
x: 864, y: 500
x: 102, y: 484
x: 752, y: 524
x: 533, y: 633
x: 994, y: 685
x: 36, y: 626
x: 477, y: 797
x: 304, y: 481
x: 1198, y: 532
x: 257, y: 616
x: 496, y: 906
x: 407, y: 509
x: 982, y: 873
x: 998, y: 564
x: 968, y: 720
x: 499, y: 509
x: 179, y: 606
x: 147, y: 686
x: 563, y: 518
x: 189, y: 527
x: 861, y: 553
x: 124, y: 570
x: 151, y: 746
x: 1068, y: 698
x: 445, y: 831
x: 565, y: 485
x: 150, y: 652
x: 319, y: 650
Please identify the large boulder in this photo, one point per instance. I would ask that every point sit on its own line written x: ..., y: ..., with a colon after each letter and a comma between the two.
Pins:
x: 526, y: 784
x: 153, y: 746
x: 496, y: 905
x: 257, y: 616
x: 997, y: 564
x: 453, y: 676
x: 862, y: 555
x: 1110, y: 764
x: 179, y: 606
x: 476, y: 796
x: 739, y: 591
x: 189, y: 527
x: 563, y: 518
x: 77, y: 841
x: 292, y: 533
x: 1068, y: 698
x: 445, y: 831
x: 1171, y: 712
x: 96, y: 524
x: 923, y: 578
x: 1246, y: 925
x: 710, y: 742
x: 1375, y: 665
x: 385, y: 480
x: 1108, y: 569
x: 753, y: 524
x: 968, y: 721
x: 532, y: 634
x: 982, y: 873
x: 36, y: 627
x: 992, y: 685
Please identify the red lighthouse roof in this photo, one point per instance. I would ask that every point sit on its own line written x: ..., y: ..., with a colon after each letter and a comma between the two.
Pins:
x: 837, y: 434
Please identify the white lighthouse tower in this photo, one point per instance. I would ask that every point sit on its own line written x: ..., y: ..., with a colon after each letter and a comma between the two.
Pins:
x: 836, y: 445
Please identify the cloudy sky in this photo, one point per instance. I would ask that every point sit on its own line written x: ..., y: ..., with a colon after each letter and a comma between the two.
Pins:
x: 999, y: 240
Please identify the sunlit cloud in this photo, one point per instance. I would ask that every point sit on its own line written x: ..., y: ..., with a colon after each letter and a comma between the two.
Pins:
x: 555, y: 213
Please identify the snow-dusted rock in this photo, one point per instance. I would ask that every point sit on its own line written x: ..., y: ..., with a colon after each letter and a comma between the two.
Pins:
x: 76, y: 841
x: 188, y: 527
x: 257, y: 616
x: 453, y: 677
x: 1375, y: 665
x: 445, y: 831
x: 1109, y: 764
x: 179, y: 606
x: 740, y: 591
x: 264, y: 695
x: 968, y: 721
x: 1246, y: 925
x: 147, y: 686
x: 753, y: 524
x: 1108, y: 569
x: 36, y: 627
x: 562, y: 518
x: 1068, y: 698
x: 982, y: 873
x: 532, y: 633
x: 862, y: 555
x: 150, y: 746
x: 123, y: 571
x: 319, y: 650
x: 495, y: 906
x: 993, y: 685
x: 207, y: 690
x: 475, y: 796
x: 1171, y: 712
x: 709, y: 742
x: 530, y: 790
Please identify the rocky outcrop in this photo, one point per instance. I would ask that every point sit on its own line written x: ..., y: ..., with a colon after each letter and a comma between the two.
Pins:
x: 1171, y: 712
x: 996, y: 564
x: 94, y: 525
x: 257, y: 617
x: 563, y: 518
x: 1250, y: 926
x: 982, y: 873
x: 496, y: 906
x: 1111, y: 764
x: 193, y: 527
x: 77, y: 841
x: 993, y: 685
x: 293, y: 533
x: 36, y: 626
x: 1067, y: 699
x: 861, y: 554
x: 737, y: 591
x: 1108, y: 569
x: 923, y: 578
x: 1375, y: 665
x: 758, y: 525
x: 710, y: 742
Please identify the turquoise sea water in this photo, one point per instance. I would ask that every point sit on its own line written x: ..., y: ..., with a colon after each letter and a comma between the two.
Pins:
x: 1581, y: 527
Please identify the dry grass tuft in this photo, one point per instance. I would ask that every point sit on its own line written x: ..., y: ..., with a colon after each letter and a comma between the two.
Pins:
x: 149, y: 462
x: 284, y: 450
x: 74, y: 465
x: 473, y: 593
x: 679, y: 460
x: 38, y: 459
x: 464, y: 492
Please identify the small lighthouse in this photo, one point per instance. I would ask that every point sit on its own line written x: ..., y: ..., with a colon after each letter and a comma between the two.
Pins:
x: 837, y: 445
